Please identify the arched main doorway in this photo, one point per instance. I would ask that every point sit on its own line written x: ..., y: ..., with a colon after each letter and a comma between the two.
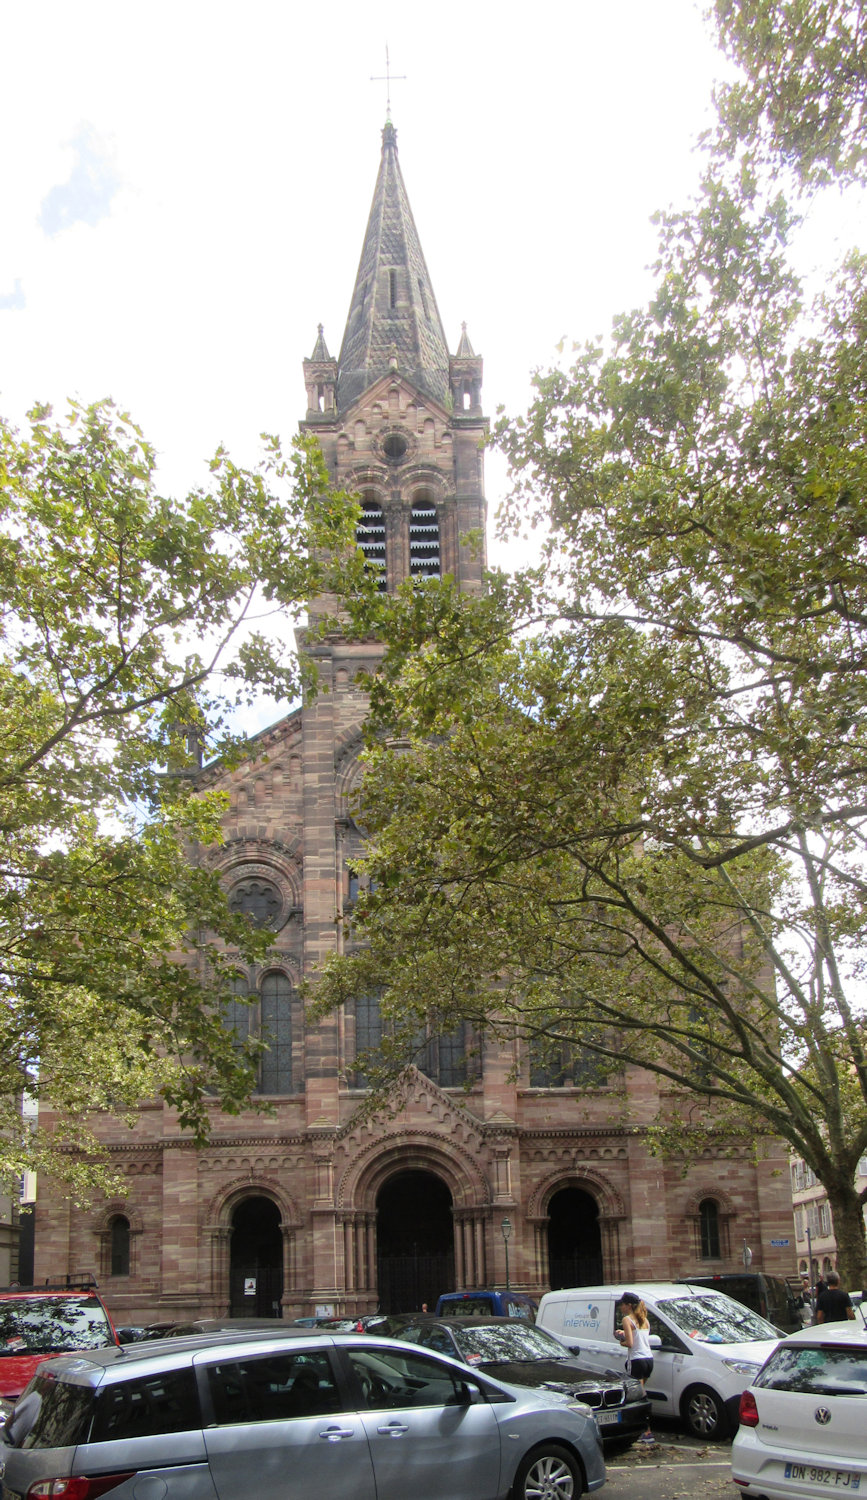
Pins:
x: 574, y: 1239
x: 256, y: 1260
x: 415, y: 1258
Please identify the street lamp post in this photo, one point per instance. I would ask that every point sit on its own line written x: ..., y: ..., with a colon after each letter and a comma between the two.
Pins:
x: 506, y: 1229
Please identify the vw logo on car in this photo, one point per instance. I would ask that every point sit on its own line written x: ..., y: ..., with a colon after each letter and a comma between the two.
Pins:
x: 823, y: 1415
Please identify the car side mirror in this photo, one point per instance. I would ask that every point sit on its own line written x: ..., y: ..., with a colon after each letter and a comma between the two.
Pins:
x: 655, y: 1341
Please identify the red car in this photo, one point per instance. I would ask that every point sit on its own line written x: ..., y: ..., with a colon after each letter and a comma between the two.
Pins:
x: 36, y: 1322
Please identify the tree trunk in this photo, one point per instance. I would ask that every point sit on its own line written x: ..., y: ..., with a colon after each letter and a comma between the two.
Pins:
x: 849, y: 1230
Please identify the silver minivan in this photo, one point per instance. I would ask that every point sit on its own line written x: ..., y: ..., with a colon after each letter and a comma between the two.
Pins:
x: 286, y: 1416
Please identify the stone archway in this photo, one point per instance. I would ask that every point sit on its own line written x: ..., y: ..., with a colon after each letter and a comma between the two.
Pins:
x: 574, y: 1239
x: 415, y: 1258
x: 255, y: 1259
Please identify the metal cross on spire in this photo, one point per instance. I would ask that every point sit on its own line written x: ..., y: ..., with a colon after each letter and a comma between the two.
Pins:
x: 388, y: 78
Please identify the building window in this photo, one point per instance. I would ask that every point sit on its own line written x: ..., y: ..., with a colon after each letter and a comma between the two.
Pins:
x: 120, y: 1242
x: 444, y: 1058
x: 370, y: 538
x: 368, y: 1034
x: 824, y: 1218
x: 799, y: 1223
x: 277, y: 994
x: 424, y: 540
x: 236, y: 1014
x: 562, y: 1065
x: 708, y: 1223
x: 259, y: 900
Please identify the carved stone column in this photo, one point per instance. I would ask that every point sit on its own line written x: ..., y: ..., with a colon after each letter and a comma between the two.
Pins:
x: 541, y: 1266
x: 220, y: 1245
x: 479, y: 1234
x: 370, y: 1275
x: 609, y: 1230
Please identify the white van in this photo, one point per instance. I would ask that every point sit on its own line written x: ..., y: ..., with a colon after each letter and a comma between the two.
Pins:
x: 706, y: 1347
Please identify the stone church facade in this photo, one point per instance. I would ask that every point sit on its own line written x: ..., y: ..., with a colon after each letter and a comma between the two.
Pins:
x: 531, y: 1174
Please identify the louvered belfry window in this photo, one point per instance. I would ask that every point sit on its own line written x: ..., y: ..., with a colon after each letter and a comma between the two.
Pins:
x: 424, y: 541
x: 370, y: 537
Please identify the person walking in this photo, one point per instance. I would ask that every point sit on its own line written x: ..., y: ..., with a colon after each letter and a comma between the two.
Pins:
x: 834, y: 1305
x: 634, y: 1332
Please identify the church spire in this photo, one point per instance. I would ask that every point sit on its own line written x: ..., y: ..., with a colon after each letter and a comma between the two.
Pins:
x: 393, y: 322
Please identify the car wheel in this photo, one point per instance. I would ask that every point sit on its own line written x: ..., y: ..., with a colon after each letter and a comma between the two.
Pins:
x: 549, y: 1473
x: 704, y: 1413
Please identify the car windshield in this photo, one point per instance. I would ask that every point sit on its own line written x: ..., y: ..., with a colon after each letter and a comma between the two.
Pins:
x: 506, y: 1341
x: 47, y: 1325
x: 714, y: 1319
x: 816, y: 1371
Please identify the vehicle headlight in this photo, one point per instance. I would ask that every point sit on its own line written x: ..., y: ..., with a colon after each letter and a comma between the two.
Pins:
x: 742, y: 1366
x: 585, y: 1410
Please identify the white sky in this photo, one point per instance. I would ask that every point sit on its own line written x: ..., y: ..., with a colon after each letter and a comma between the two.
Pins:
x: 186, y: 187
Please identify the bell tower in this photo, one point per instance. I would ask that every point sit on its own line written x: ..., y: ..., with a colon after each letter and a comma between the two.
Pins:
x: 400, y: 424
x: 399, y: 420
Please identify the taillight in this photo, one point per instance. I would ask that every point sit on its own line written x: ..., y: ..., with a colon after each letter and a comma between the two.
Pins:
x: 749, y: 1412
x: 77, y: 1486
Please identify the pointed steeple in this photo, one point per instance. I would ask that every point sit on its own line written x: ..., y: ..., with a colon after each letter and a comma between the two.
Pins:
x: 320, y: 378
x: 321, y: 350
x: 394, y: 322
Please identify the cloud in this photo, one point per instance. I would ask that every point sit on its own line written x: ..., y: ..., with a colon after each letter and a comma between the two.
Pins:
x: 85, y: 197
x: 14, y: 299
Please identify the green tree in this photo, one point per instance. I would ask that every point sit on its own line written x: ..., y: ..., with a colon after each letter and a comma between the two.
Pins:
x: 629, y: 812
x: 132, y: 626
x: 800, y: 96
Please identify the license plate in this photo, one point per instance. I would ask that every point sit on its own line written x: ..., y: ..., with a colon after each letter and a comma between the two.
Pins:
x: 608, y: 1418
x: 837, y: 1479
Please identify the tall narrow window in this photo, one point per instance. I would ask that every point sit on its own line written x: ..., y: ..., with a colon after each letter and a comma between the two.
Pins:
x: 277, y: 1032
x: 424, y: 540
x: 370, y: 537
x: 236, y: 1015
x: 392, y: 288
x: 708, y: 1220
x: 368, y: 1033
x: 120, y: 1246
x: 444, y: 1059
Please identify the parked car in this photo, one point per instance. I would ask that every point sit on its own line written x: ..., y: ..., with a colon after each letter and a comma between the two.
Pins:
x: 804, y: 1418
x: 779, y: 1301
x: 296, y: 1413
x: 220, y: 1325
x: 512, y: 1350
x: 36, y: 1322
x: 486, y: 1304
x: 706, y: 1347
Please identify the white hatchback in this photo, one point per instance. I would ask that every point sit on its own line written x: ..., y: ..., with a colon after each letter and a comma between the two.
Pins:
x: 803, y: 1421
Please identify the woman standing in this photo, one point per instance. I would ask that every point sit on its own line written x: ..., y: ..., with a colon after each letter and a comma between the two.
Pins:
x: 635, y: 1334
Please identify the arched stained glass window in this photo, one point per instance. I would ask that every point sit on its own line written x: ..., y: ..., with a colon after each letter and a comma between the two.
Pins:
x: 708, y: 1220
x: 277, y: 995
x: 257, y: 899
x: 120, y: 1246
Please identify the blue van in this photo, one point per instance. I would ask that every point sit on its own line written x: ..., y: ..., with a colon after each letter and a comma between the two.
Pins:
x: 487, y: 1304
